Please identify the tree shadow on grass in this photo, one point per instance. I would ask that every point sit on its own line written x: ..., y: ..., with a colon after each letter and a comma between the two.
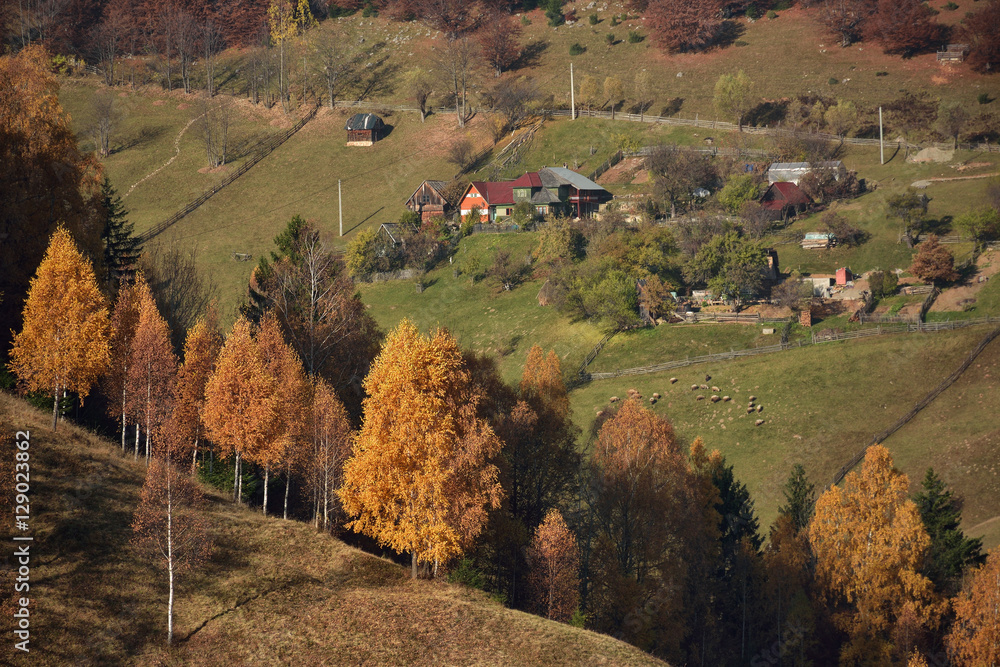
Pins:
x: 531, y: 54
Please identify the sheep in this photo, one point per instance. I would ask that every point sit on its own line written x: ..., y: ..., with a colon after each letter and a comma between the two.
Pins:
x: 707, y: 378
x: 656, y: 395
x: 749, y: 410
x: 694, y: 387
x: 760, y: 408
x: 652, y: 401
x: 726, y: 399
x: 753, y: 398
x: 699, y: 398
x: 715, y: 389
x: 758, y: 422
x: 705, y: 387
x: 673, y: 380
x: 614, y: 399
x: 715, y: 399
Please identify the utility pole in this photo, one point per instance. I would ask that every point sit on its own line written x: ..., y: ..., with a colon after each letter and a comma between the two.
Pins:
x: 572, y: 94
x: 881, y: 147
x: 340, y: 207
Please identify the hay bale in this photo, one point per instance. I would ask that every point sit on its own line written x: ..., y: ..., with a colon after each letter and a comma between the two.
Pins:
x: 758, y: 422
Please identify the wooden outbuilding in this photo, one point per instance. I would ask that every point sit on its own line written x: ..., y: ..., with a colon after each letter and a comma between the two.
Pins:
x: 428, y: 200
x: 784, y: 200
x: 364, y: 129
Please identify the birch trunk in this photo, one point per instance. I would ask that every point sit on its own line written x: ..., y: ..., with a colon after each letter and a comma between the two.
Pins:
x: 55, y: 407
x: 267, y: 475
x: 170, y: 562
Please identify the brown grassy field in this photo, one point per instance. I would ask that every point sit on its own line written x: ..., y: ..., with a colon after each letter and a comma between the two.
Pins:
x: 273, y: 592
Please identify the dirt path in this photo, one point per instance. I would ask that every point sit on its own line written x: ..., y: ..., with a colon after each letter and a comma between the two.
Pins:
x: 954, y: 298
x: 177, y: 151
x: 980, y: 527
x: 940, y: 179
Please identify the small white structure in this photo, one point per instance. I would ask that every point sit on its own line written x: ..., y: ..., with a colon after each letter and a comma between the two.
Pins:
x: 792, y: 172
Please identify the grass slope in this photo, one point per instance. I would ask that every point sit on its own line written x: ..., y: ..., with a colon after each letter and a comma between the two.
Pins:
x: 822, y: 403
x: 274, y: 592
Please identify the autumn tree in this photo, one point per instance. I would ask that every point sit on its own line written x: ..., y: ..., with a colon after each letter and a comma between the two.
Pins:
x: 904, y: 27
x: 676, y: 174
x: 124, y: 321
x: 555, y: 561
x: 121, y: 247
x: 950, y: 552
x: 334, y: 60
x: 186, y: 426
x: 975, y: 635
x: 841, y: 118
x: 981, y: 224
x: 637, y: 500
x: 331, y: 445
x: 734, y: 96
x: 152, y: 368
x: 614, y: 92
x: 951, y: 120
x: 241, y: 404
x: 980, y: 32
x: 107, y: 116
x: 39, y: 155
x: 420, y: 87
x: 169, y: 526
x: 418, y: 478
x: 589, y: 91
x: 291, y: 400
x: 63, y: 345
x: 846, y: 18
x: 870, y: 543
x: 498, y: 41
x: 643, y: 89
x: 910, y: 207
x: 286, y: 19
x: 676, y: 25
x: 933, y: 262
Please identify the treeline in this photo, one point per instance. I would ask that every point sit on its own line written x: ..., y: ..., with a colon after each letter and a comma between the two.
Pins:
x: 638, y: 534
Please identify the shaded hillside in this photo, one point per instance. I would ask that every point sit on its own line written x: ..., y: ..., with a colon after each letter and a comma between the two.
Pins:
x: 273, y: 592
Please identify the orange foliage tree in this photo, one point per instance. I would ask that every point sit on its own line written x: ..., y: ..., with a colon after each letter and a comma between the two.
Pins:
x: 975, y: 636
x: 869, y: 542
x: 331, y: 445
x: 124, y: 320
x: 241, y: 404
x: 201, y: 349
x: 152, y: 368
x: 291, y: 399
x: 64, y: 343
x: 419, y: 479
x: 168, y: 526
x: 555, y: 569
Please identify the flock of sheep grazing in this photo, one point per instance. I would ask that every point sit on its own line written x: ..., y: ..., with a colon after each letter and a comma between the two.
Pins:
x: 752, y: 407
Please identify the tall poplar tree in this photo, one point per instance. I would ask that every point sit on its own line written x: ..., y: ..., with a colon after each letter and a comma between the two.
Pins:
x: 64, y: 343
x: 419, y: 479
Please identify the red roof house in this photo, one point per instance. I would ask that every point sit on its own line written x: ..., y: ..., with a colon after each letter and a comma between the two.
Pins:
x: 784, y: 200
x: 488, y: 197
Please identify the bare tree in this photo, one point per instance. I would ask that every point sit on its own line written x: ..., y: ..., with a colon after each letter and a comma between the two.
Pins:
x: 185, y: 31
x: 420, y: 89
x: 181, y: 293
x: 215, y: 122
x: 107, y: 115
x: 211, y: 44
x: 109, y: 35
x: 514, y: 100
x: 455, y: 63
x: 334, y: 61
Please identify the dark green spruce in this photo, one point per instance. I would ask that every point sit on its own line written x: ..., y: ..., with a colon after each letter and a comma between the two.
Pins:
x: 121, y: 247
x: 800, y: 497
x: 951, y: 552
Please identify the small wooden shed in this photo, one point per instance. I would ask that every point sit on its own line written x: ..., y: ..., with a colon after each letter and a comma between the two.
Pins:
x: 364, y: 129
x: 428, y: 200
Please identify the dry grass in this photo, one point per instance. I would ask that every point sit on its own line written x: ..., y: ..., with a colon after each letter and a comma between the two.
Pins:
x: 274, y: 592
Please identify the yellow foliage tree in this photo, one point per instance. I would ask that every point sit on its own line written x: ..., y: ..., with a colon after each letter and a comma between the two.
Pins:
x: 419, y: 479
x: 975, y: 637
x: 286, y: 18
x: 869, y: 542
x: 64, y: 343
x: 241, y: 406
x: 331, y: 445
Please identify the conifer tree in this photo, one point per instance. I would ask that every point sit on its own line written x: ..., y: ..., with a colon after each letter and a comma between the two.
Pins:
x: 951, y: 552
x: 418, y: 478
x: 121, y: 247
x: 800, y: 498
x: 64, y: 343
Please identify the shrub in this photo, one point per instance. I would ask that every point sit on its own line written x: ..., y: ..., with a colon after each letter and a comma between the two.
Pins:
x: 782, y: 5
x: 594, y: 20
x: 833, y: 81
x: 610, y: 38
x: 369, y: 11
x: 881, y: 74
x: 752, y: 12
x: 740, y: 42
x: 614, y: 21
x: 634, y: 37
x: 525, y: 21
x: 576, y: 49
x: 984, y: 98
x: 951, y: 6
x: 771, y: 14
x: 467, y: 574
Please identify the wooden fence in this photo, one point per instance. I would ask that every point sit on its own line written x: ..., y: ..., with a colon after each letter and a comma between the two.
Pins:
x: 259, y: 152
x: 921, y: 404
x: 815, y: 339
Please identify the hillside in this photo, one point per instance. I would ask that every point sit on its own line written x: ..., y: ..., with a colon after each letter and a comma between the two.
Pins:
x: 273, y: 591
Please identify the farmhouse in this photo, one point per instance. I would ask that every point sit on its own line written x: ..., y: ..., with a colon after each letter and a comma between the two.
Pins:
x: 529, y: 188
x: 583, y: 196
x: 492, y: 199
x: 784, y: 200
x: 428, y: 200
x: 550, y: 190
x: 364, y: 129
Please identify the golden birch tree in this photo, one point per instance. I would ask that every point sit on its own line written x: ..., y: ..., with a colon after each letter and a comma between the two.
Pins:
x: 64, y: 343
x: 975, y: 636
x: 168, y: 527
x: 291, y: 398
x: 286, y: 19
x: 869, y: 542
x: 241, y: 406
x: 124, y: 320
x: 419, y: 477
x: 152, y: 368
x: 201, y: 349
x: 554, y: 560
x: 331, y: 445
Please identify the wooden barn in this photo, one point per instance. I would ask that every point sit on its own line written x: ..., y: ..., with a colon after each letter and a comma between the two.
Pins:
x: 364, y: 129
x: 428, y: 200
x: 784, y: 200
